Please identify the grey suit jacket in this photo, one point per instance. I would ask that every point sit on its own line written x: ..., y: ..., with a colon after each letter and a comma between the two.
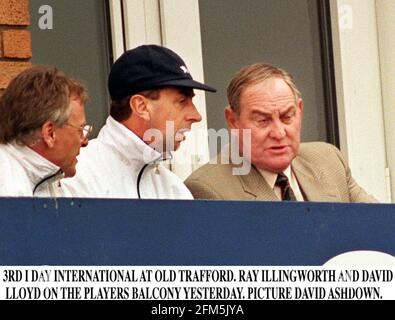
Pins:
x: 321, y: 171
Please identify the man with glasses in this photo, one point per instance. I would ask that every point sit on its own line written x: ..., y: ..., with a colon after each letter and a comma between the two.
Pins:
x: 42, y: 128
x: 85, y: 131
x: 152, y: 108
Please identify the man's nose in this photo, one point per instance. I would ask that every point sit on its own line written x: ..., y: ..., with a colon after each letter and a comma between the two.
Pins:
x: 194, y: 114
x: 84, y: 142
x: 277, y: 131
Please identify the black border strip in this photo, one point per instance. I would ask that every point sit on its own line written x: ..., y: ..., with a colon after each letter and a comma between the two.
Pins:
x: 328, y: 67
x: 108, y: 32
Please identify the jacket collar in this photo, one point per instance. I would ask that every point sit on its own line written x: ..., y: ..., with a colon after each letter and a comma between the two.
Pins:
x: 309, y: 177
x: 37, y: 167
x: 127, y: 144
x: 313, y: 185
x: 254, y: 184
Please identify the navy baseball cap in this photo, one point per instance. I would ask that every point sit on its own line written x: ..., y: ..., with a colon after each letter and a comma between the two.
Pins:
x: 149, y: 67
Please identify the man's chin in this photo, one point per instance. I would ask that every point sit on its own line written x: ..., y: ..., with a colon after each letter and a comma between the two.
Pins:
x: 69, y: 172
x: 274, y: 167
x: 177, y: 146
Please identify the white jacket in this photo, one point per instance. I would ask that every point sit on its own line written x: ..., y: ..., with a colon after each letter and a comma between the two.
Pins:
x: 118, y: 164
x: 24, y: 173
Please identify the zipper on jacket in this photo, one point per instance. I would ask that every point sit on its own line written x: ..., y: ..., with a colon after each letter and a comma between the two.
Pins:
x: 46, y: 179
x: 139, y: 179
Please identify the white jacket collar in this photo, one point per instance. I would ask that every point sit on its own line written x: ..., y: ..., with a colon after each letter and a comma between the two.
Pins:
x: 127, y: 143
x: 37, y: 167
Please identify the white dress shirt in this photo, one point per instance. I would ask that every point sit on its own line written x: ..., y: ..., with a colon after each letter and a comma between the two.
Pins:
x: 271, y: 178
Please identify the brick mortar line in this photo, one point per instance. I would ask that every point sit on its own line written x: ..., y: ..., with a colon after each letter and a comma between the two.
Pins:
x: 13, y: 27
x: 15, y: 59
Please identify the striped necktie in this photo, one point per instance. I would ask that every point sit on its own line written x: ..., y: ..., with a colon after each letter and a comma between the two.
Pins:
x: 287, y: 193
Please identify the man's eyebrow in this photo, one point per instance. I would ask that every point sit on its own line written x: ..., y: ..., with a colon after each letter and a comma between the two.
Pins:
x: 261, y: 113
x: 288, y: 109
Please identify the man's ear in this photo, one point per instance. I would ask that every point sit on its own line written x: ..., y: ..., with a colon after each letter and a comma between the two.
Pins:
x: 139, y: 106
x: 231, y: 118
x: 48, y: 134
x: 300, y: 105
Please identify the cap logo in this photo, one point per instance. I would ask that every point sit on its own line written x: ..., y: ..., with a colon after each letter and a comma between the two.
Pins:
x: 184, y: 68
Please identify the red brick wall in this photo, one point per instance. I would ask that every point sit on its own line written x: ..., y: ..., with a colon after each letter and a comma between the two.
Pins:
x: 15, y: 39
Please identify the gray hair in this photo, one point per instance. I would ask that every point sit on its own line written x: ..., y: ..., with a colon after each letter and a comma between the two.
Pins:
x: 253, y: 74
x: 35, y: 96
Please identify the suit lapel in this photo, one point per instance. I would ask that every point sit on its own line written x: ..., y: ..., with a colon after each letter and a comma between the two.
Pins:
x: 309, y: 177
x: 253, y: 183
x: 311, y: 183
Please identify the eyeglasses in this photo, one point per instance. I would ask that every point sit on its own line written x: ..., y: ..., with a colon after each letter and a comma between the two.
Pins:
x: 85, y: 130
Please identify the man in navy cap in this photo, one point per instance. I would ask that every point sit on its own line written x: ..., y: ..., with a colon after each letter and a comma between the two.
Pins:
x: 151, y: 109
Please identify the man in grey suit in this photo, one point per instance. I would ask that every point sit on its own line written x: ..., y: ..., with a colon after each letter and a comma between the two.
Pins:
x: 265, y: 102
